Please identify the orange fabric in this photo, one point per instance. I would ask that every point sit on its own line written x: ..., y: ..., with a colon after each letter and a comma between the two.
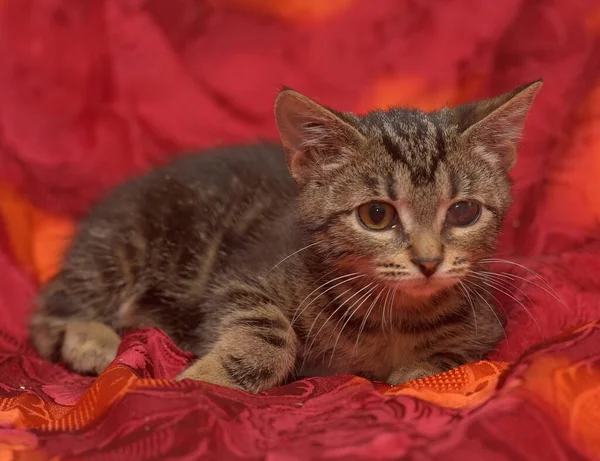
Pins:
x: 414, y: 92
x: 466, y: 386
x: 568, y: 391
x: 462, y: 387
x: 37, y: 238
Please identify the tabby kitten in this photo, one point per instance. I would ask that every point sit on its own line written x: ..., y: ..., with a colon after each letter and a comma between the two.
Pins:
x: 361, y: 264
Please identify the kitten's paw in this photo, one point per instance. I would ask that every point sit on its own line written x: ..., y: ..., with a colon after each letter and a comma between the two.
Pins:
x: 209, y: 370
x: 410, y: 373
x: 89, y: 347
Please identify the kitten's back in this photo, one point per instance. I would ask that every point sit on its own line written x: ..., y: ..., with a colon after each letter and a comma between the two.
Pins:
x: 161, y: 239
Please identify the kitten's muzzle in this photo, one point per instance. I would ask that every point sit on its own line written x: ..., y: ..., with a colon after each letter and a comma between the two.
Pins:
x: 427, y: 266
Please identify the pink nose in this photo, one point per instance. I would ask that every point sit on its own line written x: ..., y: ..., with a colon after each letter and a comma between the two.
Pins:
x: 427, y: 266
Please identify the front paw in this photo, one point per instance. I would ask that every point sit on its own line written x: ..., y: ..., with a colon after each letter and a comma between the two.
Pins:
x: 89, y: 347
x: 209, y: 370
x: 408, y: 373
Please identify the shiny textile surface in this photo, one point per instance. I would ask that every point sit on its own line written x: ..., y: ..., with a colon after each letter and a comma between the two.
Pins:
x: 92, y: 91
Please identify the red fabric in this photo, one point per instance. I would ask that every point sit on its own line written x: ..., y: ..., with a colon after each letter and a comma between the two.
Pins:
x: 92, y: 91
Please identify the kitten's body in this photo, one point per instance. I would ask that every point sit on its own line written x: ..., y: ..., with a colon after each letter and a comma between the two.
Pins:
x: 263, y: 282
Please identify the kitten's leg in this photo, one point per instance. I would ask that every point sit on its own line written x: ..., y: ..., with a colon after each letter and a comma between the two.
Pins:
x: 458, y: 344
x: 417, y: 370
x: 256, y: 349
x: 89, y: 347
x: 60, y: 330
x: 434, y: 365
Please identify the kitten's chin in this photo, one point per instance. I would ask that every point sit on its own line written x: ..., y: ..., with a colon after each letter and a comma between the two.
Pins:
x: 423, y: 287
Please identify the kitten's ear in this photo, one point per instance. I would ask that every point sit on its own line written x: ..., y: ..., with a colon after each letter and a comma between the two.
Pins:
x: 315, y: 138
x: 493, y: 127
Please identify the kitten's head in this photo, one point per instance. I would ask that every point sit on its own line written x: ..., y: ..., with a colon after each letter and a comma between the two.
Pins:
x: 411, y: 199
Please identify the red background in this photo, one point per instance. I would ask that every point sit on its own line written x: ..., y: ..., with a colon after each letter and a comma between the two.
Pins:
x: 92, y: 91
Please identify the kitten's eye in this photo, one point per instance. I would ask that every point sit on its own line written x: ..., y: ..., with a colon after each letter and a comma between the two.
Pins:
x: 376, y: 215
x: 463, y: 214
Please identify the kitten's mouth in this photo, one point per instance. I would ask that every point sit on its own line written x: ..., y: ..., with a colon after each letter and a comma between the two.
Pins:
x: 423, y: 286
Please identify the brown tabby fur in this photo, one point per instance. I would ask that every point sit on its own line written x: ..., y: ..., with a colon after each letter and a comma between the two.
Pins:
x: 267, y: 278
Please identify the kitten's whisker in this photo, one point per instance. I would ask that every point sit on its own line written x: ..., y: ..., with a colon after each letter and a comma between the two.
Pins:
x: 462, y: 287
x: 488, y: 304
x: 325, y: 284
x: 385, y: 301
x: 497, y: 301
x: 526, y: 280
x: 307, y: 352
x: 500, y: 278
x: 501, y: 290
x: 362, y: 301
x: 346, y: 278
x: 293, y: 254
x: 392, y: 309
x: 335, y: 312
x: 495, y: 285
x: 364, y: 322
x: 346, y: 313
x: 531, y: 271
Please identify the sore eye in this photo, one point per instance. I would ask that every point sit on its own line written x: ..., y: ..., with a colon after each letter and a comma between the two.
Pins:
x: 463, y: 214
x: 376, y: 215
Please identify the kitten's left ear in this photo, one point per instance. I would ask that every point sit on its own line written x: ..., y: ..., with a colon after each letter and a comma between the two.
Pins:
x: 493, y: 127
x: 315, y: 138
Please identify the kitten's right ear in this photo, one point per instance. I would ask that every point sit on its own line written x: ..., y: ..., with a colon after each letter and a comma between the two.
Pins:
x: 315, y: 138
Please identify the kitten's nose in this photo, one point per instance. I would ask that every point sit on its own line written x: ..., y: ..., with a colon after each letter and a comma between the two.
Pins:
x: 427, y: 266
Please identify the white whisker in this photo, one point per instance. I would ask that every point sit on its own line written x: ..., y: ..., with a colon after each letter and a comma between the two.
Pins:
x: 495, y: 285
x: 362, y: 301
x: 553, y: 294
x: 346, y: 278
x: 489, y: 306
x: 293, y: 254
x: 499, y: 277
x: 307, y: 352
x: 364, y: 322
x: 462, y: 287
x: 392, y: 309
x: 335, y: 311
x: 385, y: 301
x: 531, y: 271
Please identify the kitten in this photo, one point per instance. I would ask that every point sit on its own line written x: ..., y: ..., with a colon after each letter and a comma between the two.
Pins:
x: 365, y: 262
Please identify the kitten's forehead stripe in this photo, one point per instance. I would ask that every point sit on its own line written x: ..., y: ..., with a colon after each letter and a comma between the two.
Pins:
x: 372, y: 183
x: 454, y: 185
x: 393, y: 148
x: 390, y: 183
x: 414, y: 139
